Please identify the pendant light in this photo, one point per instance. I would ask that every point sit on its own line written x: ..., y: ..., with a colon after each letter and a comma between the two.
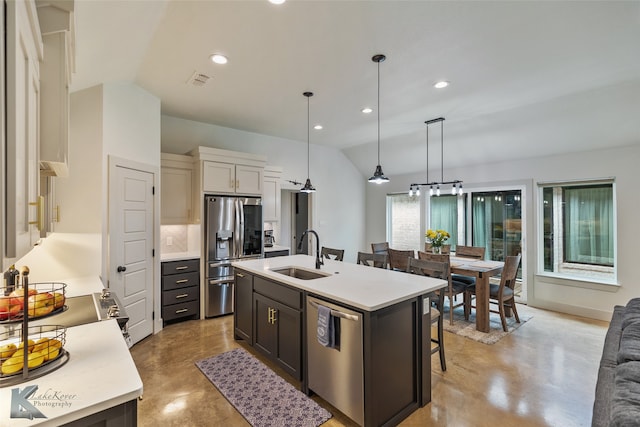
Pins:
x: 378, y: 176
x: 308, y: 188
x: 456, y: 184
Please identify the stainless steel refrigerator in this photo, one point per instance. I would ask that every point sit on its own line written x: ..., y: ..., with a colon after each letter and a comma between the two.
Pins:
x: 232, y: 231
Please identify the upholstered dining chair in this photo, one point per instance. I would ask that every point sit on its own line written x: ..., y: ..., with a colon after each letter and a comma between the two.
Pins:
x: 373, y: 260
x: 399, y: 259
x: 446, y: 249
x: 437, y: 270
x: 454, y: 288
x: 475, y: 252
x: 503, y: 294
x: 331, y: 253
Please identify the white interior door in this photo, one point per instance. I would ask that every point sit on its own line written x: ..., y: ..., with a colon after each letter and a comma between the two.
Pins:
x: 131, y: 246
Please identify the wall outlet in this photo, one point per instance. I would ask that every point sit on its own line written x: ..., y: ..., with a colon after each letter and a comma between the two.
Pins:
x: 169, y: 240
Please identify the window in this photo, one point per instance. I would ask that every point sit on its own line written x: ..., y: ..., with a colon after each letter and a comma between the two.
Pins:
x: 578, y: 230
x: 497, y: 222
x: 443, y: 215
x: 403, y: 222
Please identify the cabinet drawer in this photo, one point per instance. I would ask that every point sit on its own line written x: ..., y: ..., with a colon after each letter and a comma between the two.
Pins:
x: 175, y: 281
x: 176, y: 311
x: 185, y: 266
x: 181, y: 295
x: 281, y: 293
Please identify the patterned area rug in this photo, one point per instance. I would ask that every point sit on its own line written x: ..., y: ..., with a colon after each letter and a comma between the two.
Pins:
x: 261, y: 396
x: 468, y: 328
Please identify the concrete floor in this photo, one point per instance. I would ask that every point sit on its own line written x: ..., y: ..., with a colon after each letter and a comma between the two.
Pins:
x: 543, y: 374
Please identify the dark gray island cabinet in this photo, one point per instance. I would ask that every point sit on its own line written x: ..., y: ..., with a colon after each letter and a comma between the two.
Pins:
x: 381, y: 371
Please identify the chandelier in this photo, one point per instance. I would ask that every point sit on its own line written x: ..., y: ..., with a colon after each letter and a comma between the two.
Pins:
x: 434, y: 186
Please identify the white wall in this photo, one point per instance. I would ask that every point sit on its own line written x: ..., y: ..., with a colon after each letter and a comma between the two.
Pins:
x: 117, y: 119
x: 339, y: 214
x: 79, y: 195
x: 585, y: 299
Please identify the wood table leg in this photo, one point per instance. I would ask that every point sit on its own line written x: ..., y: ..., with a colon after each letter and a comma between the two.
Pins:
x: 482, y: 302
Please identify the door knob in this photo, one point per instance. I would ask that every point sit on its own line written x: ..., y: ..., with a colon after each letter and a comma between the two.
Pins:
x: 121, y: 269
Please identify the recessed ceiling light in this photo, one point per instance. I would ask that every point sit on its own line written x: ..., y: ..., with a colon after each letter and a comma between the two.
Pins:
x: 219, y: 59
x: 317, y: 127
x: 367, y: 110
x: 441, y: 84
x: 277, y: 1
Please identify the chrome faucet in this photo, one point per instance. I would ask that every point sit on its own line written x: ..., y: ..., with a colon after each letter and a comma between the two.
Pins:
x: 319, y: 261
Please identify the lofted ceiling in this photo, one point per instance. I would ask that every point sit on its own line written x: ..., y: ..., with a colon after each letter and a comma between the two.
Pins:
x: 528, y: 78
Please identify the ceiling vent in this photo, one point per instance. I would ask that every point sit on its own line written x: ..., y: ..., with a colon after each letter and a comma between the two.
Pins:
x: 198, y: 79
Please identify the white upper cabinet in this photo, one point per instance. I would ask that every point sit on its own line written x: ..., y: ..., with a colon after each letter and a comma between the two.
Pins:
x: 176, y: 183
x: 58, y: 36
x: 23, y: 215
x: 230, y: 172
x: 271, y: 194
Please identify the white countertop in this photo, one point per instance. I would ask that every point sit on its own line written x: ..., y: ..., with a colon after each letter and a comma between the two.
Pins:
x: 366, y: 288
x: 78, y: 286
x: 276, y: 248
x: 179, y: 256
x: 100, y: 374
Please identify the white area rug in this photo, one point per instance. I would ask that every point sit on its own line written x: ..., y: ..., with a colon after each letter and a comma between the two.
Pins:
x: 468, y: 328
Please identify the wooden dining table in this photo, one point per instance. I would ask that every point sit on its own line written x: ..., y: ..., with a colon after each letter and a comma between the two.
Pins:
x: 482, y: 270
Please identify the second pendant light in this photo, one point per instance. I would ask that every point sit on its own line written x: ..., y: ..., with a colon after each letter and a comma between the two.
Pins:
x: 308, y: 188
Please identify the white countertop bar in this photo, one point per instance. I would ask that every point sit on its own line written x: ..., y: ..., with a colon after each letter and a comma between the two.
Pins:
x: 366, y: 288
x: 275, y: 248
x: 178, y: 256
x: 100, y: 374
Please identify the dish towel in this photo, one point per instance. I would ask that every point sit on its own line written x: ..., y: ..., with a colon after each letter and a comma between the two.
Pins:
x: 325, y: 331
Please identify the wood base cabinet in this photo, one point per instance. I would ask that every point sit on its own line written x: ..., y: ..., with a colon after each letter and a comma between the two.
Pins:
x: 243, y: 307
x: 268, y: 316
x: 278, y: 333
x: 180, y: 290
x: 124, y: 415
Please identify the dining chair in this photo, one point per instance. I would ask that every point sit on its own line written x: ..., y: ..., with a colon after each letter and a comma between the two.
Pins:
x: 380, y: 248
x: 399, y: 259
x: 454, y: 288
x: 503, y: 294
x: 437, y: 270
x: 373, y: 260
x: 330, y: 253
x: 475, y: 252
x: 446, y: 249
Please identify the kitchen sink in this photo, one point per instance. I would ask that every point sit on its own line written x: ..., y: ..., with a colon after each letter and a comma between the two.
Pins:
x: 300, y: 273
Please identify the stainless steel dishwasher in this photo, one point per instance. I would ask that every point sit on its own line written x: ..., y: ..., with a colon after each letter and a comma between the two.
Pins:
x: 337, y: 374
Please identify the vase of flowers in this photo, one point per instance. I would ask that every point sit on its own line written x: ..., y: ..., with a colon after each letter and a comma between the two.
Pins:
x: 437, y: 239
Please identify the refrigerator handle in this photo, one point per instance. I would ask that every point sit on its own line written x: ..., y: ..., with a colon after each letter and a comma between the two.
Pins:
x: 241, y: 229
x: 236, y: 230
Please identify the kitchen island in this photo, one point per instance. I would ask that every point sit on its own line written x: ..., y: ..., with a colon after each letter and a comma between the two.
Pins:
x: 381, y: 370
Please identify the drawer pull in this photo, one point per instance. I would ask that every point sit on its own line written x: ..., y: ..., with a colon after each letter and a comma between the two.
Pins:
x: 182, y: 310
x: 182, y: 296
x: 182, y: 267
x: 240, y: 275
x: 182, y: 281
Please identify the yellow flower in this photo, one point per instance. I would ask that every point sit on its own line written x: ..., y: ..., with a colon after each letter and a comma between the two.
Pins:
x: 437, y: 237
